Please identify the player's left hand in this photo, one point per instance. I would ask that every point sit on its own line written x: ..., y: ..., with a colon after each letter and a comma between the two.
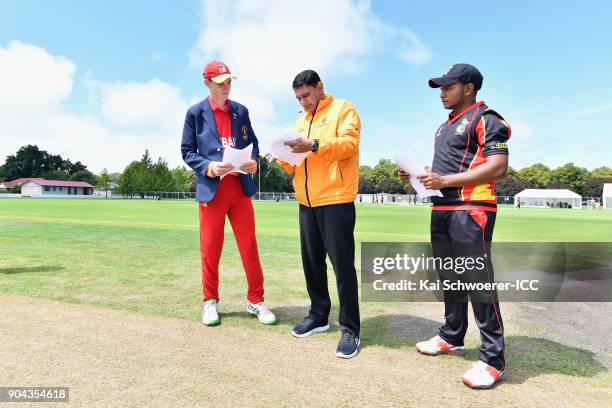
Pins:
x: 250, y: 167
x: 432, y: 181
x: 300, y: 145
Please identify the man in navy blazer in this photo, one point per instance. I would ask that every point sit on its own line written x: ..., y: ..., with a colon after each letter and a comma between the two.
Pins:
x: 211, y: 126
x: 201, y: 145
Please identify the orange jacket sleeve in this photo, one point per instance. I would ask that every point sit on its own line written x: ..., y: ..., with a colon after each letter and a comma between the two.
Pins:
x: 346, y: 142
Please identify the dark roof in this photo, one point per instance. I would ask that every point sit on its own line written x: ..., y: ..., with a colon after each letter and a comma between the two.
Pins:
x: 19, y: 181
x: 60, y: 183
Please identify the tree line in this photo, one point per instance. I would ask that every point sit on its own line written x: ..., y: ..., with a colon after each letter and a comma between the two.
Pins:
x: 147, y: 175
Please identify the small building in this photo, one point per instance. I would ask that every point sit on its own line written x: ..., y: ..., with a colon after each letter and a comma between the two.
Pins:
x: 42, y: 187
x: 606, y: 198
x: 544, y: 198
x: 8, y: 185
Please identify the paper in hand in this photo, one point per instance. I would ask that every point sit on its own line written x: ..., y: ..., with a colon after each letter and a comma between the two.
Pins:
x: 281, y: 151
x: 237, y: 158
x: 410, y: 166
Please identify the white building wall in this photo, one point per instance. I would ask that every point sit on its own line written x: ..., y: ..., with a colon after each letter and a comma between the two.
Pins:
x: 606, y: 199
x: 28, y: 190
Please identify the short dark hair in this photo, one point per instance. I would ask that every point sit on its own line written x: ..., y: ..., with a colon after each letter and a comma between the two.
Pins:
x: 308, y: 78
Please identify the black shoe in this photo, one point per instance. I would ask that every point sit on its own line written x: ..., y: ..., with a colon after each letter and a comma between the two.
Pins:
x: 309, y: 326
x: 348, y: 346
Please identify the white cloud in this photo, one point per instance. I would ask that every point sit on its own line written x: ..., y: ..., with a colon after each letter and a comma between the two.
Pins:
x: 157, y: 57
x: 521, y: 130
x: 133, y: 116
x: 267, y: 43
x: 154, y: 104
x: 31, y: 78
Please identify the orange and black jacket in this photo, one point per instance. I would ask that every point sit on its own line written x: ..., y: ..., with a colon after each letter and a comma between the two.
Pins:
x: 461, y: 144
x: 330, y: 175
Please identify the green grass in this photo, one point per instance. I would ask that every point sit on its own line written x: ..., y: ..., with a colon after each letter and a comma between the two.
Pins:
x: 143, y: 256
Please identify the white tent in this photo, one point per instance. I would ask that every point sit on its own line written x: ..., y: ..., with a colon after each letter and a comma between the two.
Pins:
x: 543, y: 198
x: 606, y: 198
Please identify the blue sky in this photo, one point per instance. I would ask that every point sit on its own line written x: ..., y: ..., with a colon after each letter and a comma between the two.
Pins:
x: 102, y: 81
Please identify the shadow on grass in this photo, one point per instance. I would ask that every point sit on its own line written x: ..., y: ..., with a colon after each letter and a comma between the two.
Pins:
x: 396, y: 331
x: 31, y: 269
x: 526, y: 356
x: 529, y: 357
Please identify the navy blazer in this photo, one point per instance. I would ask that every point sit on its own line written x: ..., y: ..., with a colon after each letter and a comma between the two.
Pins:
x: 201, y: 145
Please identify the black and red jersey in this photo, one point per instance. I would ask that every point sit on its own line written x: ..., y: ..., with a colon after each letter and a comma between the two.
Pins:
x: 461, y: 144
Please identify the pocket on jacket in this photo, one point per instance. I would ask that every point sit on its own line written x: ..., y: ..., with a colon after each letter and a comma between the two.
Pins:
x: 336, y: 175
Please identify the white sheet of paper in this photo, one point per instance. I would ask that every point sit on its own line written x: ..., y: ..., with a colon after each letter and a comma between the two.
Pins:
x: 409, y: 165
x: 281, y: 151
x: 237, y: 158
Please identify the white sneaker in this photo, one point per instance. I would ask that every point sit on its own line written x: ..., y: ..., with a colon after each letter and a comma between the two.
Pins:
x: 482, y: 375
x: 436, y: 345
x: 210, y: 317
x: 260, y: 310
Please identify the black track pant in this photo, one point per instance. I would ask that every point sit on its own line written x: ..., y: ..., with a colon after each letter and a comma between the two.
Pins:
x: 328, y: 230
x: 470, y: 226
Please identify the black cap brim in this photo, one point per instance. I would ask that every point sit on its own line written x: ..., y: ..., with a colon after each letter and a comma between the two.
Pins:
x: 442, y: 81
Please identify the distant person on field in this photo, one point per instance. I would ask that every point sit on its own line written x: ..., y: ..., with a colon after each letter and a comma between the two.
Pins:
x: 211, y: 126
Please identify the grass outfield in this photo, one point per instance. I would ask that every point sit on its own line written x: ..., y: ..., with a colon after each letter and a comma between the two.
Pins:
x: 143, y: 257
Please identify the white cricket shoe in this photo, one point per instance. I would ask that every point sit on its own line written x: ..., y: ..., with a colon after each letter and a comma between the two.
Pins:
x: 264, y: 315
x: 482, y: 375
x: 210, y: 316
x: 436, y: 345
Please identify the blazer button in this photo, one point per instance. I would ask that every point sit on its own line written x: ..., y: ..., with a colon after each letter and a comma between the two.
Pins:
x: 218, y: 149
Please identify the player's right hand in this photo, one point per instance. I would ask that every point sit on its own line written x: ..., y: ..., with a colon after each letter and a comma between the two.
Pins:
x: 219, y: 169
x: 404, y: 176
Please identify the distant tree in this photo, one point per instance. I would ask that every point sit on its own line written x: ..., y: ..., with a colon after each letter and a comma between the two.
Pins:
x: 27, y: 162
x: 537, y: 174
x: 390, y: 186
x: 30, y: 161
x: 601, y: 172
x: 593, y: 187
x: 183, y: 178
x: 159, y: 177
x: 104, y: 181
x: 557, y: 185
x: 84, y: 175
x: 570, y: 175
x: 55, y: 175
x: 273, y: 177
x: 131, y: 180
x: 366, y: 186
x: 509, y: 186
x: 384, y: 169
x: 511, y: 172
x: 146, y: 159
x: 74, y: 168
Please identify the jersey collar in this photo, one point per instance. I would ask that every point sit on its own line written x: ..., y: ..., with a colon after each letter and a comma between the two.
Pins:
x: 453, y: 117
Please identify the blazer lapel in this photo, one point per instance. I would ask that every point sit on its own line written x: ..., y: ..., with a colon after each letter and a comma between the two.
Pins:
x: 209, y: 118
x: 235, y: 121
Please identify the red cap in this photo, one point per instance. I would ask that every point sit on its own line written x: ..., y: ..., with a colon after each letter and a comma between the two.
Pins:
x: 217, y: 71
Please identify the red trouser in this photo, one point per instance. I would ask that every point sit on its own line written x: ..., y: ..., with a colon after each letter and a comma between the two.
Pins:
x: 231, y: 201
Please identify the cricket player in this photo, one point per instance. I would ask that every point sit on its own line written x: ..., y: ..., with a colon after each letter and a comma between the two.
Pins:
x: 470, y: 153
x: 211, y: 126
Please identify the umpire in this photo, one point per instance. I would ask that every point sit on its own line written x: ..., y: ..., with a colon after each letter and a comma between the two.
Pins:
x: 325, y: 185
